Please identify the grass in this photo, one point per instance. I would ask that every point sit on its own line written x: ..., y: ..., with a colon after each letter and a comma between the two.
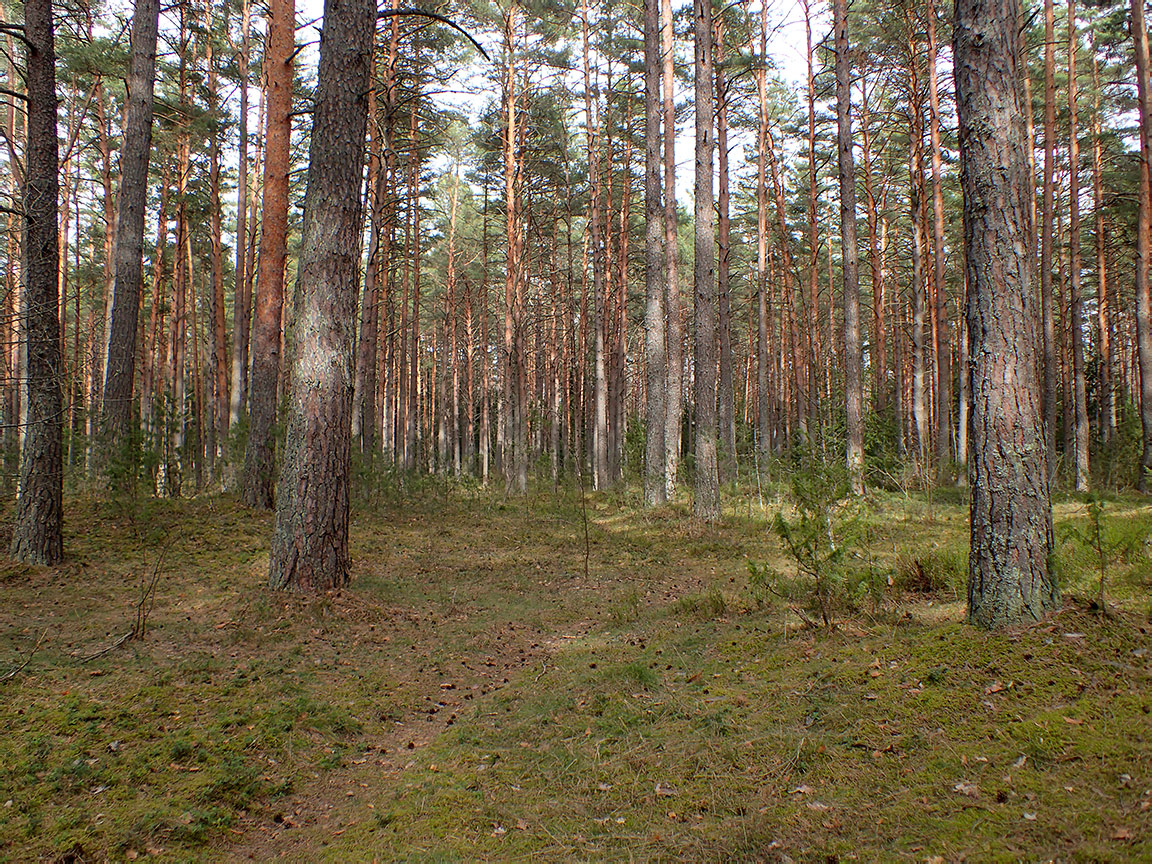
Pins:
x: 475, y: 695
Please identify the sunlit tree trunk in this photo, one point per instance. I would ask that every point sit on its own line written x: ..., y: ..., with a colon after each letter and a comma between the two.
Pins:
x: 763, y: 359
x: 1011, y: 517
x: 817, y: 358
x: 1144, y: 243
x: 941, y: 329
x: 1104, y: 342
x: 259, y: 458
x: 241, y: 296
x: 1047, y: 311
x: 1079, y: 383
x: 310, y: 538
x: 853, y: 360
x: 725, y: 400
x: 706, y: 492
x: 672, y: 305
x: 655, y: 348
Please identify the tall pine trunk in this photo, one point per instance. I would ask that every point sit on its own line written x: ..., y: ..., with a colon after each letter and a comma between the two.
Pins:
x: 853, y: 359
x: 1011, y: 516
x: 310, y: 539
x: 37, y: 536
x: 259, y: 458
x: 655, y: 348
x: 706, y: 497
x: 120, y: 365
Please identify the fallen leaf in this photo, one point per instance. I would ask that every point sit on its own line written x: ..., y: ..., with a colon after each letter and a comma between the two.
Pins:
x: 1073, y: 721
x: 521, y: 825
x: 663, y: 791
x: 802, y: 790
x: 604, y: 787
x: 1029, y: 817
x: 970, y: 789
x: 1122, y: 834
x: 499, y: 831
x: 1021, y: 762
x: 818, y: 807
x: 994, y: 687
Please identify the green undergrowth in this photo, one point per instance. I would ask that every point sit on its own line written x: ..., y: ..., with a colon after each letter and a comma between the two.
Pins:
x: 505, y: 681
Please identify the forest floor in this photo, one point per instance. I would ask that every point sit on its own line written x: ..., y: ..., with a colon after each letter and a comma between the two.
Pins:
x: 567, y: 678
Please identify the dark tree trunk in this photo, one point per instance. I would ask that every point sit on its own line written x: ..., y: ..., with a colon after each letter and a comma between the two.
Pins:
x: 257, y: 482
x: 706, y: 498
x: 656, y: 369
x: 116, y: 424
x: 37, y: 536
x: 1011, y: 514
x: 310, y: 541
x: 853, y: 361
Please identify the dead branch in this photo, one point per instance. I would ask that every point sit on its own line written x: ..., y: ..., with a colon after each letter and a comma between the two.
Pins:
x: 8, y: 676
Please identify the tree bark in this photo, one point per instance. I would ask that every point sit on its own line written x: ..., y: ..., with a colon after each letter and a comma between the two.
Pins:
x: 655, y: 349
x: 1047, y: 311
x: 725, y: 398
x: 37, y: 536
x: 120, y: 365
x: 241, y: 296
x: 706, y: 492
x: 310, y: 540
x: 672, y: 305
x: 1076, y: 301
x: 258, y: 479
x: 1144, y: 244
x: 853, y: 359
x: 1011, y: 516
x: 941, y: 330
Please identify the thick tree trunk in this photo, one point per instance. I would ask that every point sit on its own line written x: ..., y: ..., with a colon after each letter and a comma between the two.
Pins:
x: 655, y: 348
x: 853, y: 359
x: 706, y: 492
x: 1011, y: 516
x: 120, y: 366
x: 37, y: 535
x: 259, y: 458
x: 310, y: 540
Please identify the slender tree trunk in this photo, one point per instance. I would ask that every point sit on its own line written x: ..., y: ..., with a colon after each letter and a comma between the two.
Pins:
x: 241, y: 298
x: 942, y: 330
x: 367, y: 347
x: 763, y: 415
x: 706, y: 492
x: 37, y: 536
x: 816, y: 354
x: 726, y: 407
x: 1047, y: 311
x: 672, y: 306
x: 1079, y: 383
x: 655, y: 349
x: 879, y: 349
x: 853, y: 359
x: 310, y: 539
x: 259, y: 458
x: 1144, y: 243
x: 120, y: 365
x: 218, y: 326
x: 1011, y: 516
x: 1107, y: 386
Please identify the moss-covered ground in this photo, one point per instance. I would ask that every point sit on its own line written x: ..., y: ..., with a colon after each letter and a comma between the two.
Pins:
x: 546, y: 679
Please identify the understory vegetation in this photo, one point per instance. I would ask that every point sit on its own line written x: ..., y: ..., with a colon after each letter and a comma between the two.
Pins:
x: 570, y: 677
